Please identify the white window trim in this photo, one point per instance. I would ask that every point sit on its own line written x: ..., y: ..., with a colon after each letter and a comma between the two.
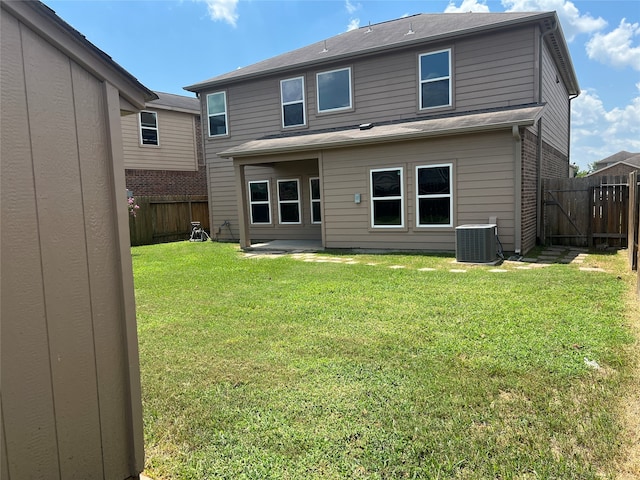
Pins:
x: 400, y: 197
x: 439, y: 195
x: 349, y: 107
x: 312, y: 201
x: 156, y: 128
x: 297, y: 202
x: 266, y: 202
x: 448, y: 77
x: 303, y: 101
x: 226, y: 116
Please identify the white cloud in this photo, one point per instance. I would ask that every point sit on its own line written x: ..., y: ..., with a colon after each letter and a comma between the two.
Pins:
x: 615, y: 48
x: 572, y: 21
x: 353, y: 24
x: 597, y: 132
x: 225, y: 10
x: 467, y: 6
x: 351, y: 8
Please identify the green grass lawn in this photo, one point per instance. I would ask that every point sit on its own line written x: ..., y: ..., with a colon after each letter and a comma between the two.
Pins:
x: 278, y: 368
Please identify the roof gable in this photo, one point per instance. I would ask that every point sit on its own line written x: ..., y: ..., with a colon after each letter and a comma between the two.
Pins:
x: 400, y: 33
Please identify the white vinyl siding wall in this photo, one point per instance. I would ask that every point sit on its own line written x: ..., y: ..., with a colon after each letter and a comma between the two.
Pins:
x: 177, y: 149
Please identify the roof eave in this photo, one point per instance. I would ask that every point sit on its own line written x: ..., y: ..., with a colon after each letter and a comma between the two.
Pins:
x: 207, y: 84
x: 236, y: 152
x: 567, y: 70
x: 157, y: 106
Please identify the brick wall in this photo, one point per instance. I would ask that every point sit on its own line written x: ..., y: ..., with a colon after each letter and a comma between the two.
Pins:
x: 529, y: 191
x: 170, y: 182
x: 554, y: 165
x: 616, y: 170
x: 166, y: 182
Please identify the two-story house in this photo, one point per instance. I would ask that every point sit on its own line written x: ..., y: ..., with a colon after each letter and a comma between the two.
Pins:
x: 391, y: 135
x: 163, y: 148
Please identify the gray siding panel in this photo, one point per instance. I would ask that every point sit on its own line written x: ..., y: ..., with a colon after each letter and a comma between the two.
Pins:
x: 104, y: 275
x: 66, y: 378
x: 58, y: 183
x: 476, y: 197
x: 27, y: 402
x: 555, y: 126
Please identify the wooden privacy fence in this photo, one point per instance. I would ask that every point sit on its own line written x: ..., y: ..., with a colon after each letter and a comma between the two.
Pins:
x: 167, y: 218
x: 586, y: 212
x: 634, y: 218
x: 634, y: 224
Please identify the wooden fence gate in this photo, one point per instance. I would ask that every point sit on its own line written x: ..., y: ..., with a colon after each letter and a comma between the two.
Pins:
x: 586, y: 212
x: 167, y: 218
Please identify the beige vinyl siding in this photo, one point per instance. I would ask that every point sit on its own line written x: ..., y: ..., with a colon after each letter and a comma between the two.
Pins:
x: 483, y: 171
x: 555, y: 126
x: 67, y: 371
x: 177, y: 138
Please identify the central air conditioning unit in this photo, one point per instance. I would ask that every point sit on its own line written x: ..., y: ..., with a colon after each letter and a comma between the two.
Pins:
x: 476, y: 243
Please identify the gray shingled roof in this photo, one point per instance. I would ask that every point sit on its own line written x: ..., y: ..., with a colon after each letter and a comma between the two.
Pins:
x: 391, y: 132
x: 169, y: 101
x: 395, y: 34
x: 621, y: 156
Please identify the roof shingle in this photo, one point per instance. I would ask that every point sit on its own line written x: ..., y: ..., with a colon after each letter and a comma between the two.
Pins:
x: 402, y: 32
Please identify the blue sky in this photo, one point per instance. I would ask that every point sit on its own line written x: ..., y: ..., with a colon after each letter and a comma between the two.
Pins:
x: 170, y: 44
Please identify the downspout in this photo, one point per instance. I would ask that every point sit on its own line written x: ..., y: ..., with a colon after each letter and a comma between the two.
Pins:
x: 515, y: 130
x: 203, y: 146
x: 569, y: 127
x: 553, y: 28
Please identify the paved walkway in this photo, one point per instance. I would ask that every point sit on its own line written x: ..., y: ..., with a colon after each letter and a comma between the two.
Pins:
x: 548, y: 256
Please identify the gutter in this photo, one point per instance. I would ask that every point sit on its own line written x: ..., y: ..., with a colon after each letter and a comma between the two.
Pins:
x: 571, y: 97
x: 369, y: 140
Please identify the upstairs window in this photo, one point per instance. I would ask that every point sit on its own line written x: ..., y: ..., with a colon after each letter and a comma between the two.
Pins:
x: 292, y: 96
x: 149, y: 128
x: 289, y: 201
x: 259, y: 202
x: 387, y: 200
x: 217, y: 113
x: 314, y: 187
x: 434, y: 196
x: 435, y: 79
x: 334, y: 90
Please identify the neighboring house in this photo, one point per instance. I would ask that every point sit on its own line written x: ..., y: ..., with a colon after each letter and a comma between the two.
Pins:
x: 71, y: 403
x: 391, y: 135
x: 163, y: 148
x: 618, y: 164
